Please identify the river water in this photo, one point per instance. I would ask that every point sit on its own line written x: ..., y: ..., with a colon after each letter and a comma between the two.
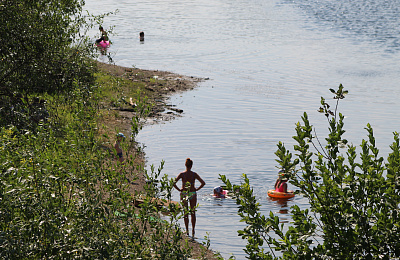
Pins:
x: 267, y: 63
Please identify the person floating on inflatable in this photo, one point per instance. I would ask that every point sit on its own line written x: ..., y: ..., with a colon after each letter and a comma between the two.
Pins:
x: 219, y: 192
x: 281, y: 191
x: 280, y: 184
x: 103, y: 37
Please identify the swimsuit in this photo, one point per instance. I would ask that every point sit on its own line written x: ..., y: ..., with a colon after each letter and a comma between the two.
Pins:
x: 280, y: 188
x: 190, y: 195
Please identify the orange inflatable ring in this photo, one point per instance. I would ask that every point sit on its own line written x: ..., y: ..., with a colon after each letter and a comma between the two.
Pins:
x: 280, y: 195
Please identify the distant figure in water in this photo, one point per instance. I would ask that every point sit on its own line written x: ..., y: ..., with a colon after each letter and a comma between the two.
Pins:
x: 280, y: 184
x: 219, y: 192
x: 103, y: 37
x: 120, y: 137
x: 188, y: 193
x: 141, y: 36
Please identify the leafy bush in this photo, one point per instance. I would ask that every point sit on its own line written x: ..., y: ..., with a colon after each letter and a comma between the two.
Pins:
x: 354, y: 200
x: 42, y: 52
x: 64, y: 196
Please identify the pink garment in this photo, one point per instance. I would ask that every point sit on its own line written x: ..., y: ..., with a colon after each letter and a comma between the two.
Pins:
x: 280, y: 188
x: 104, y: 44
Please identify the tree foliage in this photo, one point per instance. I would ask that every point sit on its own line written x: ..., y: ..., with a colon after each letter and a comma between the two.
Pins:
x: 353, y: 198
x: 65, y: 199
x: 41, y: 52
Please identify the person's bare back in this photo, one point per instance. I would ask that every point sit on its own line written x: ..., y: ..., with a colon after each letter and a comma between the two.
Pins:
x: 188, y: 177
x: 188, y: 192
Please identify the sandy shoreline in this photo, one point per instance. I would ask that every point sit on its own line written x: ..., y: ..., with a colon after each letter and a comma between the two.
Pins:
x: 160, y: 85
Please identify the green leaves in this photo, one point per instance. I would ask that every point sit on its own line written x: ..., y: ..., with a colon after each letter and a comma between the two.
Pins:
x: 63, y: 196
x: 40, y: 55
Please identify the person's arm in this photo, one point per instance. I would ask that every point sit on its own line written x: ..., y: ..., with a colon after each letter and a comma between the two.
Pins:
x: 202, y: 183
x: 276, y: 183
x: 176, y: 180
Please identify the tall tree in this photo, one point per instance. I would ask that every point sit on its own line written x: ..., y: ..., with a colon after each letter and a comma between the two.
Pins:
x: 38, y: 50
x: 41, y: 51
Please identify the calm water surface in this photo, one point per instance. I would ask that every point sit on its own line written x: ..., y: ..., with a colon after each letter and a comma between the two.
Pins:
x: 268, y: 62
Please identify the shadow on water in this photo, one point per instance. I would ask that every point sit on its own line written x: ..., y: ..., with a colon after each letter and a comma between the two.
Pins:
x: 282, y: 204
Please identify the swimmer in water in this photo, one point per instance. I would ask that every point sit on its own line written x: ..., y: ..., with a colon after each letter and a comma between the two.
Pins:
x: 219, y: 192
x: 188, y: 193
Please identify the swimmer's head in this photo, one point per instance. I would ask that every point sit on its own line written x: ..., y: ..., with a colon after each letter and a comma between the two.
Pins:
x: 218, y: 189
x: 188, y: 163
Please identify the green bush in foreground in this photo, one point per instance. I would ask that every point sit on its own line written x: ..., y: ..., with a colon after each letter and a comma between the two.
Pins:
x: 354, y: 200
x: 64, y: 196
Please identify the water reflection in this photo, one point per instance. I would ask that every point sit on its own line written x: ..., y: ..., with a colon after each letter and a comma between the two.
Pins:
x: 282, y: 204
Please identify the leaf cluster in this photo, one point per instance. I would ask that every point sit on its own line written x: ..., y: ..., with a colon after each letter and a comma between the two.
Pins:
x: 41, y: 53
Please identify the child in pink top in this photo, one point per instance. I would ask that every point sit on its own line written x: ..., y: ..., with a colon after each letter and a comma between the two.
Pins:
x: 280, y: 184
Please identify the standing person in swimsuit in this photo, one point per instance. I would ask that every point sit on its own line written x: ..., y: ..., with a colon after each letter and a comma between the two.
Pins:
x: 188, y: 193
x: 120, y: 137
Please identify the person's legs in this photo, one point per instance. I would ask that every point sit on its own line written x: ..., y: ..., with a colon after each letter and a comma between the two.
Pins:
x: 186, y: 216
x: 186, y: 219
x: 193, y: 202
